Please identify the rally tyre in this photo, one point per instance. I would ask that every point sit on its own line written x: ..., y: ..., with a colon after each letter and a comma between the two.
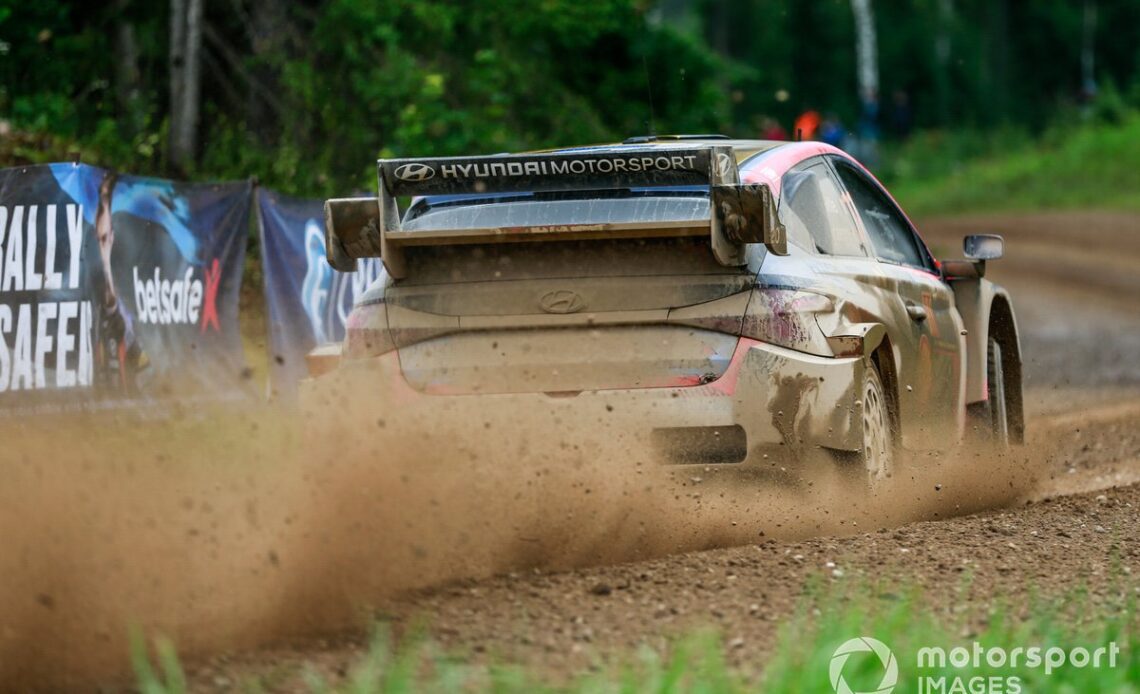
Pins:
x: 877, y: 456
x: 997, y: 409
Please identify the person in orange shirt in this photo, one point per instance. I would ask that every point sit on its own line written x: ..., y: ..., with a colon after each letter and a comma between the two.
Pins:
x: 807, y: 125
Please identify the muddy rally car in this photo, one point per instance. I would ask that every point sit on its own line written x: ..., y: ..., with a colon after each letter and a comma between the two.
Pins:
x: 704, y: 300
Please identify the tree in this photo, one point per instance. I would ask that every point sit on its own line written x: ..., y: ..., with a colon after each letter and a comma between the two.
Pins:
x: 1088, y: 49
x: 866, y: 52
x: 867, y: 70
x: 998, y: 73
x: 185, y: 81
x: 268, y: 28
x: 305, y: 94
x: 127, y: 63
x: 942, y: 51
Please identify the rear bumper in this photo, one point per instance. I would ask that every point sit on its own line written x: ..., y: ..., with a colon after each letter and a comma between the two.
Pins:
x: 783, y: 402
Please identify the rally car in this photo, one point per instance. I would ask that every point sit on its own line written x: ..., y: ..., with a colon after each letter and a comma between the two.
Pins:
x: 707, y: 300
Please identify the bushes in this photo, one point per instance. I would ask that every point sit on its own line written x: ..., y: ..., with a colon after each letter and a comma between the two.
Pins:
x: 1089, y: 165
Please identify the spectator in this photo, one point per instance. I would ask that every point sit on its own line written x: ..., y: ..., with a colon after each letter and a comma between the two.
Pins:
x: 807, y: 125
x: 865, y: 148
x: 831, y: 131
x: 770, y: 129
x: 902, y: 117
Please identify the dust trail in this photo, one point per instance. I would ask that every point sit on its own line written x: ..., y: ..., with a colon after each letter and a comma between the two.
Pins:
x: 225, y: 528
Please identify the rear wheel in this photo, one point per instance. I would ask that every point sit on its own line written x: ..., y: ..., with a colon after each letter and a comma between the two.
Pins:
x: 878, y: 453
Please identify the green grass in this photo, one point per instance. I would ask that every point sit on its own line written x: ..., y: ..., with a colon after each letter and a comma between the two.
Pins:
x: 907, y: 624
x: 1087, y: 166
x: 826, y: 617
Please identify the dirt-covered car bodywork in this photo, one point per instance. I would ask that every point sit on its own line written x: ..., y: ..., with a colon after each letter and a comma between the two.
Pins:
x: 710, y: 300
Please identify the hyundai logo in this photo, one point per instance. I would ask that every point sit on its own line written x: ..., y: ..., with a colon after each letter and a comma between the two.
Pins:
x: 414, y: 172
x: 562, y: 301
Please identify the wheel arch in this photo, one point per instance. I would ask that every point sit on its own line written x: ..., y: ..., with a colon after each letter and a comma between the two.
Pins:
x: 883, y: 359
x: 987, y: 310
x: 1002, y: 327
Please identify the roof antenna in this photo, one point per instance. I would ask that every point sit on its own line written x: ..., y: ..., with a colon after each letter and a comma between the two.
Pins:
x: 649, y: 88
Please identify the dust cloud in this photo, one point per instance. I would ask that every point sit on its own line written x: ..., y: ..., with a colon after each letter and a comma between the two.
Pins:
x: 228, y: 527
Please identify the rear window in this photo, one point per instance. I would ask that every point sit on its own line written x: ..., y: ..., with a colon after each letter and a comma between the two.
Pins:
x: 547, y: 209
x: 812, y: 207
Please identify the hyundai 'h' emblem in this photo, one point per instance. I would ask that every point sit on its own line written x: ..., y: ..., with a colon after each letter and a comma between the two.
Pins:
x: 562, y: 301
x: 414, y: 172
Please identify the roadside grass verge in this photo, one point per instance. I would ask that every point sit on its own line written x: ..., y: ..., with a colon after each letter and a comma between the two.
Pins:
x: 1087, y: 166
x: 828, y: 615
x: 908, y: 623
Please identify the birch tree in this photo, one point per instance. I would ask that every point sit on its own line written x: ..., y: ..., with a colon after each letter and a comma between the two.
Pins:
x: 866, y: 146
x: 866, y: 52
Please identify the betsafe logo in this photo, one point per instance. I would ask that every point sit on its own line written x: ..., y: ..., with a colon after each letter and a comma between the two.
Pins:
x: 183, y: 300
x: 863, y: 644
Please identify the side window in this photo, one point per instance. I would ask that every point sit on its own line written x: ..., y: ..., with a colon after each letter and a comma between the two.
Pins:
x: 890, y: 234
x: 812, y: 208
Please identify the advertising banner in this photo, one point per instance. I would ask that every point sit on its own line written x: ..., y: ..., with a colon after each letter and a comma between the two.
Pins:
x: 308, y: 301
x: 118, y: 290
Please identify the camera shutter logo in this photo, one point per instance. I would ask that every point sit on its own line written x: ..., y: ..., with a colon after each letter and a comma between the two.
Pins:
x: 414, y: 172
x: 863, y: 644
x: 723, y: 165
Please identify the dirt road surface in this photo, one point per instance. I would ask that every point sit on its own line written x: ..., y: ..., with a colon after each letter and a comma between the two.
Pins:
x: 299, y: 557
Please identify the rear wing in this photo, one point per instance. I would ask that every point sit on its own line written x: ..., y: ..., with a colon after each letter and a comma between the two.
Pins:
x: 739, y: 213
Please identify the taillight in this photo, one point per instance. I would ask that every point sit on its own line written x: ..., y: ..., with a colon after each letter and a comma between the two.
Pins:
x: 784, y: 317
x: 787, y: 318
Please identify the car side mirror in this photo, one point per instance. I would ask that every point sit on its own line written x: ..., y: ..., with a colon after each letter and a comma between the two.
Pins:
x: 983, y: 246
x: 978, y: 248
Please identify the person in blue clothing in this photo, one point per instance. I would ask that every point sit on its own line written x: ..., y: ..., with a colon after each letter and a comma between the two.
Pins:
x: 831, y: 131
